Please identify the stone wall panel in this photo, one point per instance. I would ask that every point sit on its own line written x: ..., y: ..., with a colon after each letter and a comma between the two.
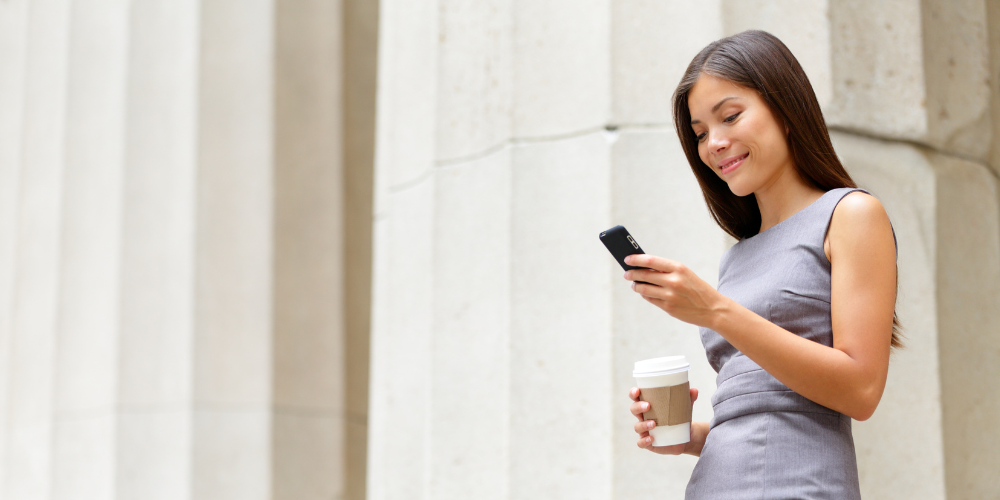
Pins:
x: 957, y: 69
x: 878, y: 69
x: 560, y: 320
x: 86, y: 350
x: 400, y: 415
x: 993, y: 41
x: 407, y: 93
x: 155, y: 383
x: 652, y: 43
x: 470, y: 352
x: 474, y: 77
x: 968, y: 301
x: 13, y: 50
x: 562, y: 77
x: 37, y: 253
x: 308, y: 377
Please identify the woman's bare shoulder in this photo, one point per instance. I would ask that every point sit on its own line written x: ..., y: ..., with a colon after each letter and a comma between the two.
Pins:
x: 859, y: 221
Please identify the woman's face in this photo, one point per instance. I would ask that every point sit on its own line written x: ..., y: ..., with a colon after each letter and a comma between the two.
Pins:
x: 738, y: 136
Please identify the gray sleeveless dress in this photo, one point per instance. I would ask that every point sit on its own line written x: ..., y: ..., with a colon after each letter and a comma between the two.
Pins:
x: 766, y: 441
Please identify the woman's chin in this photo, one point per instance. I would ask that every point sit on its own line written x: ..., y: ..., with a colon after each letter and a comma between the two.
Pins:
x: 740, y: 191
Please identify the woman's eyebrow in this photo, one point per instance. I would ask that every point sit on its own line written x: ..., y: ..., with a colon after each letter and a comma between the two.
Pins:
x: 717, y: 106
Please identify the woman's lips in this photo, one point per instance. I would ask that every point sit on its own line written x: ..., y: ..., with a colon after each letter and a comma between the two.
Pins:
x: 733, y: 164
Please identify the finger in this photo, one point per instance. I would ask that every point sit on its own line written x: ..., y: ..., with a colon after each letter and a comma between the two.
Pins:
x: 644, y: 442
x: 645, y: 275
x: 694, y: 395
x: 639, y: 407
x: 634, y: 393
x: 662, y: 304
x: 653, y: 262
x: 647, y: 290
x: 644, y: 426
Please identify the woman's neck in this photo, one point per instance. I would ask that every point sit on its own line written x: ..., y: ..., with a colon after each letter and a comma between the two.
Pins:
x: 783, y: 198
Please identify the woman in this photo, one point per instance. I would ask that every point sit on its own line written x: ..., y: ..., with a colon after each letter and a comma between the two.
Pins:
x: 801, y: 325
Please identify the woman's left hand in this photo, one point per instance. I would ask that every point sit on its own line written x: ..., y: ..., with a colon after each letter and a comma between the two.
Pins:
x: 675, y: 289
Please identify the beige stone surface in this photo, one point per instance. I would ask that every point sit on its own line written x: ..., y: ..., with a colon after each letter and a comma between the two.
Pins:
x: 401, y: 341
x: 560, y: 429
x: 802, y: 25
x: 956, y: 55
x: 957, y: 74
x: 900, y: 449
x: 307, y: 431
x: 154, y: 453
x: 652, y: 43
x: 470, y: 357
x: 878, y: 68
x: 13, y: 41
x: 308, y: 209
x: 36, y: 254
x: 231, y: 453
x: 155, y: 384
x: 232, y: 360
x: 86, y: 347
x: 84, y: 457
x: 993, y: 26
x: 656, y: 197
x: 157, y: 290
x: 968, y: 301
x: 562, y: 75
x: 407, y: 93
x: 474, y: 76
x: 360, y: 78
x: 307, y: 455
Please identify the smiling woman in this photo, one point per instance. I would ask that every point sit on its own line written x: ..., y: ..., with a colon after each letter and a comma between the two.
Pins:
x: 801, y: 325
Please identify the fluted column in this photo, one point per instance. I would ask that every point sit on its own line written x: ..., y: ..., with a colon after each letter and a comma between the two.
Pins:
x: 171, y: 250
x: 564, y: 112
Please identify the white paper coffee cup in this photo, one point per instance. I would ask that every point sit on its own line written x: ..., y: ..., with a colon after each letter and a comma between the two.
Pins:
x: 669, y: 376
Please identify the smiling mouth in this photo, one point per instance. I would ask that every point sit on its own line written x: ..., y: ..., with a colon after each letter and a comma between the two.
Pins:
x: 728, y: 166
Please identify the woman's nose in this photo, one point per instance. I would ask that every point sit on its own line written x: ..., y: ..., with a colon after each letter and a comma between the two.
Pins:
x: 717, y: 142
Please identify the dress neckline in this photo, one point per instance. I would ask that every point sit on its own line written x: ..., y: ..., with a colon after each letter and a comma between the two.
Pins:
x: 796, y: 214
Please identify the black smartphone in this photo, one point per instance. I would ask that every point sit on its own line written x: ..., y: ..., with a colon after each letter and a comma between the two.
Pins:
x: 621, y: 245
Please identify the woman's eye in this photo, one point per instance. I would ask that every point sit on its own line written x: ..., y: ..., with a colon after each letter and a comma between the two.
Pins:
x: 729, y: 119
x: 701, y: 136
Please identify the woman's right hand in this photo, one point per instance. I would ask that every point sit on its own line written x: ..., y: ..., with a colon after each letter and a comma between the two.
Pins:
x: 699, y: 430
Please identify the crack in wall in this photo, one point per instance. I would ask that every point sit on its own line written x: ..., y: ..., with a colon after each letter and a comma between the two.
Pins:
x: 612, y: 127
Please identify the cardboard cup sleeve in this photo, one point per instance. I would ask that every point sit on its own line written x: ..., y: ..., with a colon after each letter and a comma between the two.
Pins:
x: 669, y: 405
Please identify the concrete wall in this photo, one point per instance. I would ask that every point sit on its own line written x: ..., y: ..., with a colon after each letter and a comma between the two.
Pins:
x: 510, y: 133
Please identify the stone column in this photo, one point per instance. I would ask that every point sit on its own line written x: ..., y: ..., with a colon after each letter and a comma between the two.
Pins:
x: 172, y: 214
x: 511, y: 133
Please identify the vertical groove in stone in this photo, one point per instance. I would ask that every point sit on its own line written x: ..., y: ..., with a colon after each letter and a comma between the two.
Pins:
x: 155, y: 384
x: 360, y: 25
x: 234, y: 251
x: 993, y: 44
x: 85, y: 384
x: 13, y: 41
x: 399, y: 454
x: 956, y: 75
x: 308, y: 426
x: 36, y: 258
x: 968, y: 299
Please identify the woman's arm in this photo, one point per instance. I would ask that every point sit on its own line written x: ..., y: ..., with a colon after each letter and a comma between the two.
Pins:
x: 850, y: 376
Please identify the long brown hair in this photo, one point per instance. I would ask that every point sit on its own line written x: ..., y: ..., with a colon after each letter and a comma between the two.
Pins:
x: 758, y: 60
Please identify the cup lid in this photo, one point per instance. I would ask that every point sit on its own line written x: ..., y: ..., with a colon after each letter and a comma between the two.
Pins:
x: 661, y: 366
